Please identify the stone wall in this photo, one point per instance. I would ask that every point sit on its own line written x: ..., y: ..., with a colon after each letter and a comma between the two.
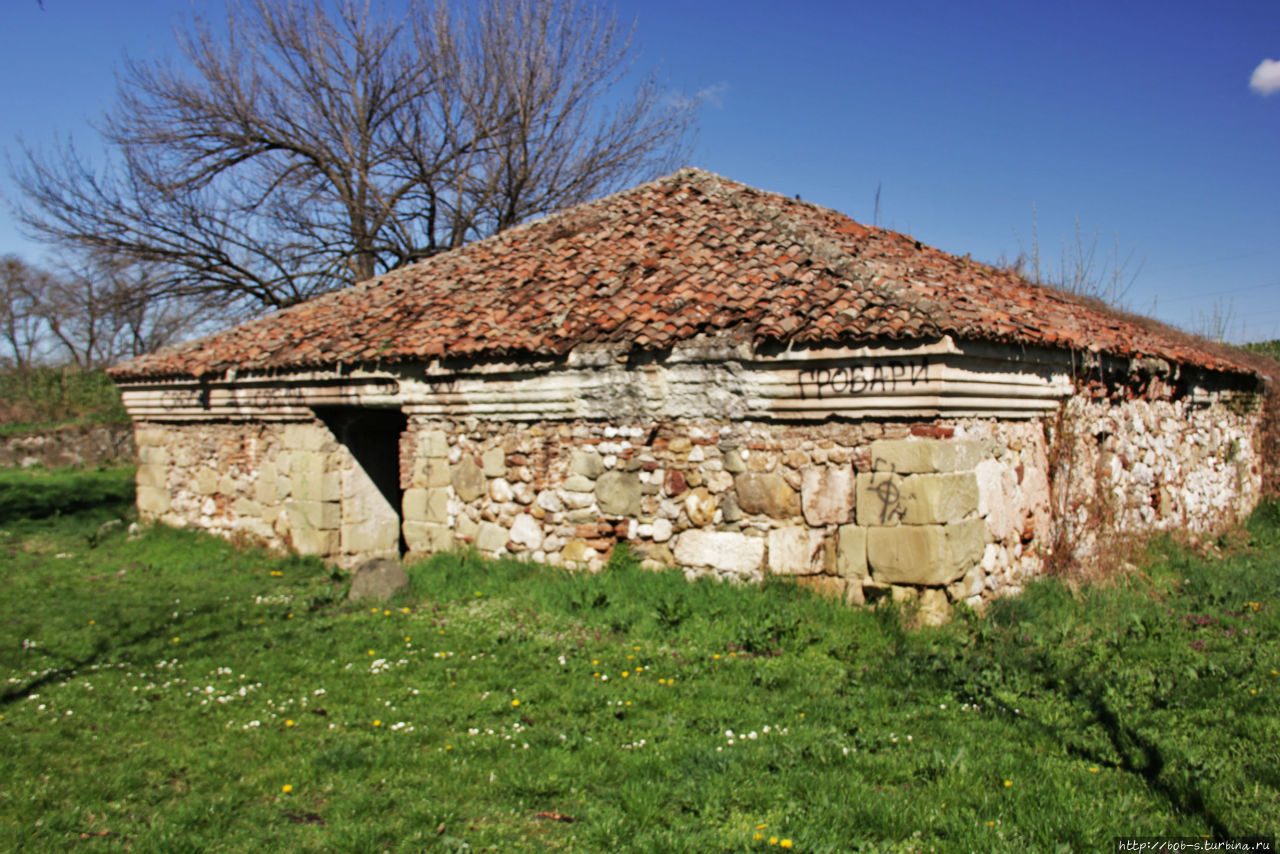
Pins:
x: 933, y: 511
x: 854, y: 510
x: 288, y: 486
x: 1124, y: 469
x: 79, y: 445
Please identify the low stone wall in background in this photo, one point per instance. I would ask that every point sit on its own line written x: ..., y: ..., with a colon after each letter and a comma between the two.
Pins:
x: 79, y: 445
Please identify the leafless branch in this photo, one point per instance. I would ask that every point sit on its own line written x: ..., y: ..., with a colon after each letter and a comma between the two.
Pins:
x: 299, y: 149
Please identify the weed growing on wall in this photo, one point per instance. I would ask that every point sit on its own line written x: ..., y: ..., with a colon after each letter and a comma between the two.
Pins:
x: 176, y: 692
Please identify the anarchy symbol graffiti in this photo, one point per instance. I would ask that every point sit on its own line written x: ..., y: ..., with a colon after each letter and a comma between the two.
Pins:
x: 891, y: 509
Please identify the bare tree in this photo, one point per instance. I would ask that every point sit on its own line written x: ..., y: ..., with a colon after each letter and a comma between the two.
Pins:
x: 21, y: 326
x: 101, y: 310
x: 301, y: 150
x: 88, y: 316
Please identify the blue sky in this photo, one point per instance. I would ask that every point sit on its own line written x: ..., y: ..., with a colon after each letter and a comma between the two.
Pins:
x: 980, y: 122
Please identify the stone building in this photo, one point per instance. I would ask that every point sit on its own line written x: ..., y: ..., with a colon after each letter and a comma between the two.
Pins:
x: 728, y: 380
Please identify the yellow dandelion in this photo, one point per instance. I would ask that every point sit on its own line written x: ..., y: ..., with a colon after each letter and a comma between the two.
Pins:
x: 386, y: 613
x: 991, y: 824
x: 371, y: 652
x: 448, y: 747
x: 786, y: 843
x: 625, y: 674
x: 288, y: 616
x: 405, y: 609
x: 277, y: 573
x: 286, y: 788
x: 1253, y: 690
x: 758, y: 837
x: 175, y: 640
x: 1273, y: 672
x: 773, y: 840
x: 761, y: 826
x: 628, y: 702
x: 92, y: 622
x: 716, y: 655
x: 629, y: 657
x: 515, y: 702
x: 377, y: 723
x: 406, y: 639
x: 1008, y: 783
x: 288, y: 723
x: 373, y: 610
x: 1093, y: 769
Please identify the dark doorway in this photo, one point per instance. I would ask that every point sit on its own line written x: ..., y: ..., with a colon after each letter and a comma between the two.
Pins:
x: 373, y: 437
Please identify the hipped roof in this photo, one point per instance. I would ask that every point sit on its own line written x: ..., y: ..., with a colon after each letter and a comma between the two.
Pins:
x: 688, y: 255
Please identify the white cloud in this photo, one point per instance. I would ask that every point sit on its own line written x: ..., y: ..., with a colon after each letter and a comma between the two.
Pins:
x: 714, y: 94
x: 1266, y: 77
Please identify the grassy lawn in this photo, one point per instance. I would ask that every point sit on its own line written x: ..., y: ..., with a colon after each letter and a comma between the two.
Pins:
x: 173, y: 693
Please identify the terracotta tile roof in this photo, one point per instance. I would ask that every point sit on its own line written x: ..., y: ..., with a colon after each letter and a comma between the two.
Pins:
x: 657, y: 265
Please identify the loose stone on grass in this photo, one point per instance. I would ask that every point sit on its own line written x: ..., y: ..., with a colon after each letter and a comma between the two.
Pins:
x: 379, y: 579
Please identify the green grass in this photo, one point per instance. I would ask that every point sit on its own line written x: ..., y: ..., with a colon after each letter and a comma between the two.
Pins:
x: 34, y: 493
x: 44, y: 398
x: 162, y: 693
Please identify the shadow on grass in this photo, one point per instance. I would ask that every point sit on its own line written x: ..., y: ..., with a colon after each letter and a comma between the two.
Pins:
x: 985, y: 679
x: 25, y: 495
x: 101, y: 648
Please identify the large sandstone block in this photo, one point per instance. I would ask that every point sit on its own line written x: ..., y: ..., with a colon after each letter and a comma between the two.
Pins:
x: 827, y: 495
x: 795, y: 550
x: 206, y: 481
x: 313, y: 515
x: 426, y: 505
x: 153, y: 500
x: 933, y: 555
x: 618, y: 493
x: 426, y: 537
x: 933, y: 499
x: 851, y: 552
x: 155, y: 455
x: 923, y: 456
x: 150, y: 475
x: 435, y: 444
x: 879, y: 498
x: 722, y: 550
x: 143, y: 436
x: 375, y: 535
x: 491, y: 537
x: 309, y: 541
x: 766, y: 493
x: 306, y: 437
x: 307, y: 473
x: 468, y: 479
x: 885, y: 498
